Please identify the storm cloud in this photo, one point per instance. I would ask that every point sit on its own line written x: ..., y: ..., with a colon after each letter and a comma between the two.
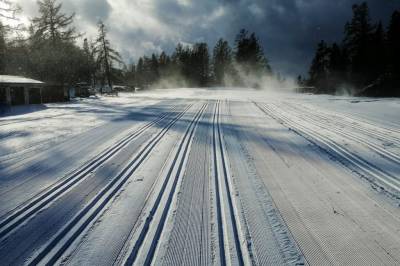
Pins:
x: 288, y: 29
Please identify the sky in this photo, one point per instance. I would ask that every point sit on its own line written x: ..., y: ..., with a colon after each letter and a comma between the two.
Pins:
x: 288, y: 29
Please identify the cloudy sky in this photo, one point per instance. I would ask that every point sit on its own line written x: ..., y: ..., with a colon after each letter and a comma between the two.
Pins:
x: 288, y: 29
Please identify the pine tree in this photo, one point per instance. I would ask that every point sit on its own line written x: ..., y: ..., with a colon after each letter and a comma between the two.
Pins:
x: 200, y: 59
x: 54, y: 56
x: 222, y: 61
x: 130, y: 75
x: 300, y: 81
x: 319, y: 69
x: 154, y: 69
x: 52, y: 24
x: 378, y: 53
x: 250, y: 55
x: 183, y: 58
x: 357, y: 40
x: 393, y: 40
x: 17, y: 56
x: 3, y: 49
x: 140, y: 73
x: 89, y: 65
x: 107, y: 56
x: 337, y: 68
x: 165, y: 66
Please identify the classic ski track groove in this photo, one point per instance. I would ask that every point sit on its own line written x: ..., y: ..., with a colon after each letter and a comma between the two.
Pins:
x: 270, y: 241
x: 362, y: 140
x: 144, y: 228
x: 56, y: 246
x: 220, y: 231
x: 366, y: 128
x: 29, y: 208
x: 331, y: 147
x: 225, y: 185
x: 188, y: 241
x: 358, y: 120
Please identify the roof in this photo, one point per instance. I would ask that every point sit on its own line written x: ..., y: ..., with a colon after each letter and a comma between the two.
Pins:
x: 18, y: 80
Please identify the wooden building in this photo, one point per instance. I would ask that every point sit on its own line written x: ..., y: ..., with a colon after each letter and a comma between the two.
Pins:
x: 16, y: 90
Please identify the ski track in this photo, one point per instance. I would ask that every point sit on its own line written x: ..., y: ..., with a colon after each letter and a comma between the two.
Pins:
x: 368, y: 137
x: 92, y: 207
x: 188, y: 242
x: 34, y: 205
x: 377, y: 176
x: 147, y: 237
x: 235, y: 247
x: 144, y: 183
x: 333, y: 218
x: 51, y: 252
x: 364, y: 127
x: 212, y: 181
x: 269, y: 240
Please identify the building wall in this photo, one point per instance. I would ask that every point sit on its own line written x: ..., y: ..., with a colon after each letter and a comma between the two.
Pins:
x: 19, y: 94
x: 51, y: 94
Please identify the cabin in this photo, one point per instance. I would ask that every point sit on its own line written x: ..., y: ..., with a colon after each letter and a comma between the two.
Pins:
x: 16, y: 90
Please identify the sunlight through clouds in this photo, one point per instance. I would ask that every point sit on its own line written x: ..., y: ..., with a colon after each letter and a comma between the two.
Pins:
x: 285, y: 27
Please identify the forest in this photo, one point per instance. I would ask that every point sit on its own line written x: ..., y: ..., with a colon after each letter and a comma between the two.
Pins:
x: 51, y: 52
x: 365, y: 63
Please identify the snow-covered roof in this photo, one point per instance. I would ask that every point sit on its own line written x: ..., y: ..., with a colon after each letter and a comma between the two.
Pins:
x: 18, y: 80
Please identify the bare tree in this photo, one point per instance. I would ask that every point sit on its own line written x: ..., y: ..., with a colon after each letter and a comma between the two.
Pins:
x: 8, y: 13
x: 8, y: 10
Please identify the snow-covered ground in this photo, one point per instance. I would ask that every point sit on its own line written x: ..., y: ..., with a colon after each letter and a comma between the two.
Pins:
x: 202, y: 176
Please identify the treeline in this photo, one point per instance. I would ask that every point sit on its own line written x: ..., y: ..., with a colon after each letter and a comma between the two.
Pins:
x: 50, y: 52
x: 366, y: 63
x: 196, y: 66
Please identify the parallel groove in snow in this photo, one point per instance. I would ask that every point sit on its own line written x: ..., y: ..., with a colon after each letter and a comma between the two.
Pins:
x: 188, y: 243
x: 29, y: 208
x: 373, y: 173
x: 177, y: 169
x: 334, y: 218
x: 73, y: 229
x: 321, y: 122
x: 231, y: 233
x: 366, y: 126
x: 270, y: 241
x: 220, y: 230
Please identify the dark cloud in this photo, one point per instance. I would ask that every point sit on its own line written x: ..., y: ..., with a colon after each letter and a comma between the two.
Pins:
x: 288, y: 29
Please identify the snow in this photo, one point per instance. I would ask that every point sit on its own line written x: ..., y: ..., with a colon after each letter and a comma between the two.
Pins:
x: 202, y: 176
x: 17, y: 80
x: 35, y: 127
